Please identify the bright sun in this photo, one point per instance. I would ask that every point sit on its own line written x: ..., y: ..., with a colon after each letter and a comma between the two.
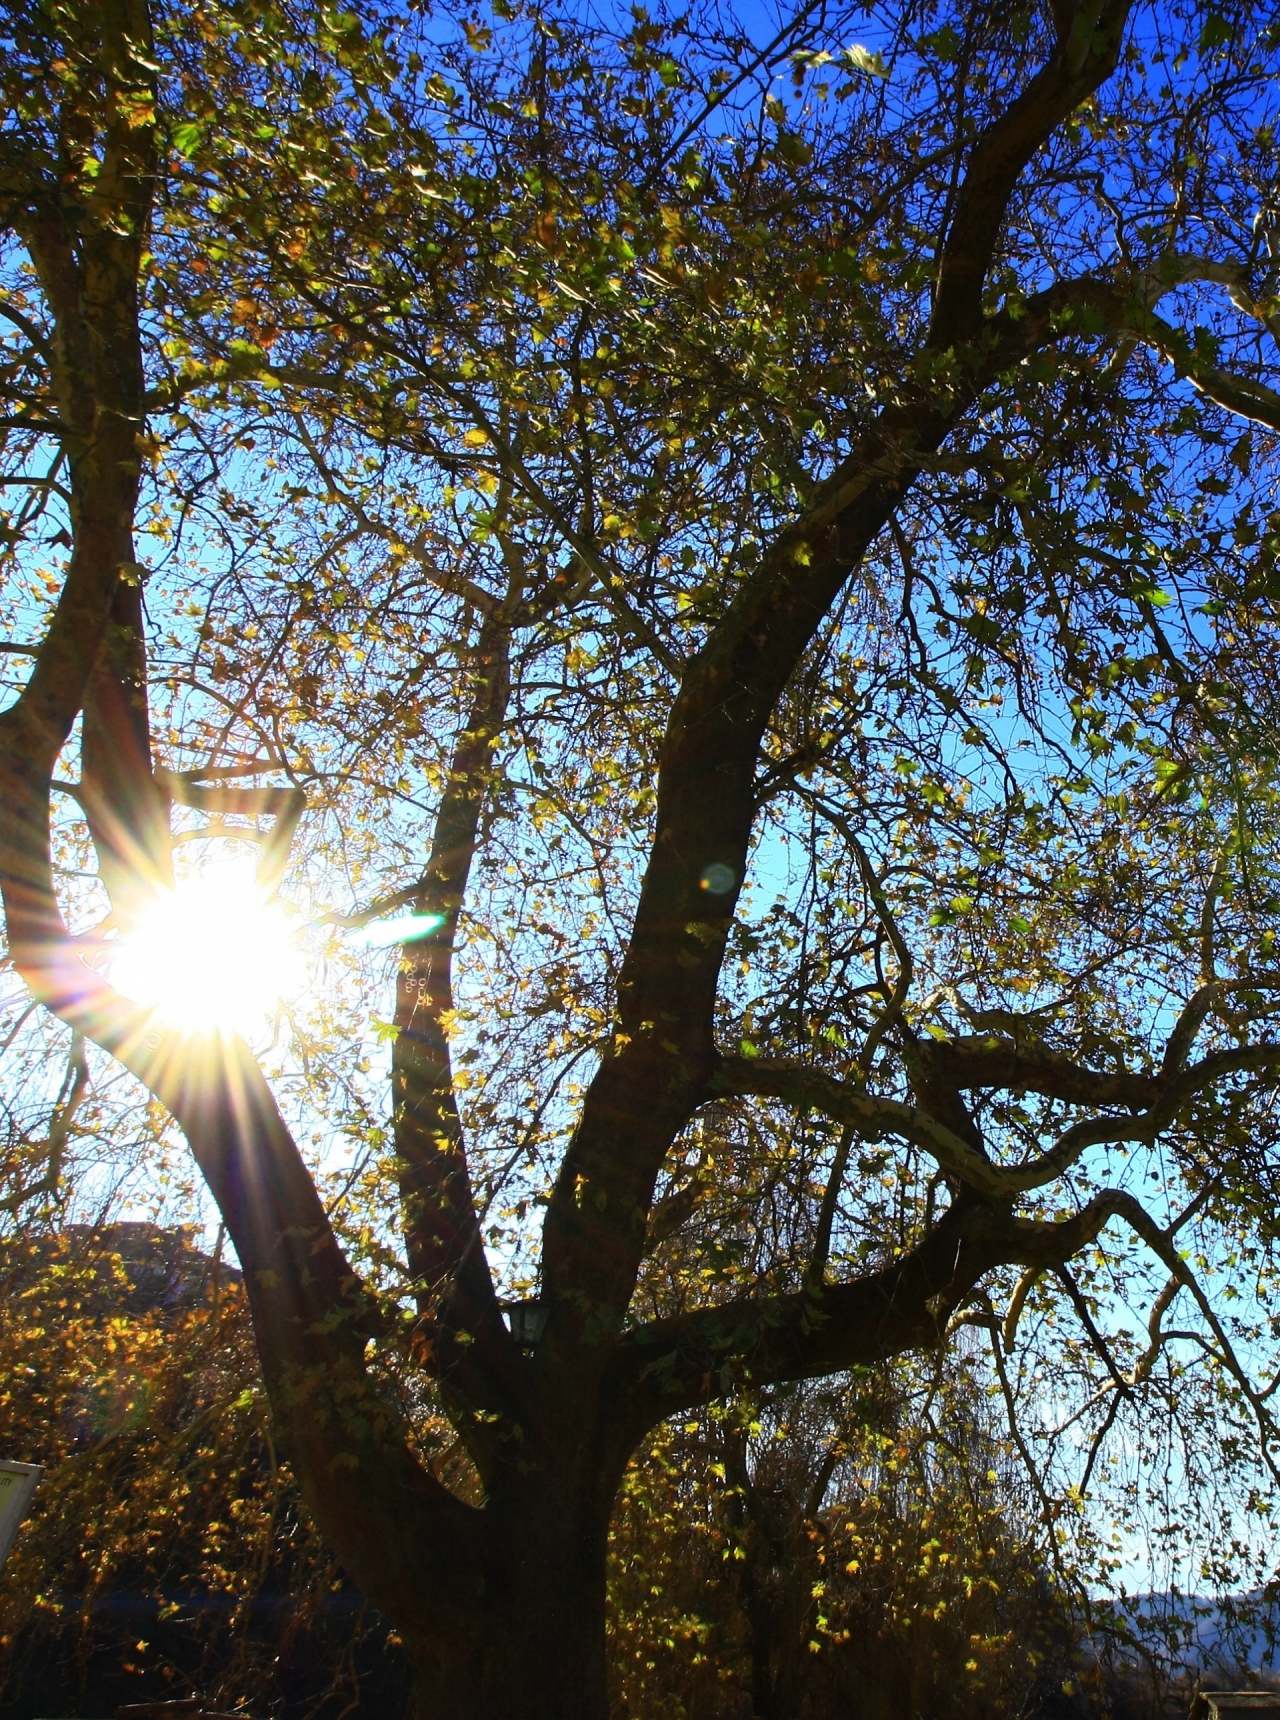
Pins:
x: 212, y: 954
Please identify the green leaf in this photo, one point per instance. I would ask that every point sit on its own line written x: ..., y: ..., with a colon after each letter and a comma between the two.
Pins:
x: 860, y: 59
x: 187, y: 138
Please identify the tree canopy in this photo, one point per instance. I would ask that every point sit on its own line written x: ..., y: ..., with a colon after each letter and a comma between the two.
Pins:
x: 730, y: 585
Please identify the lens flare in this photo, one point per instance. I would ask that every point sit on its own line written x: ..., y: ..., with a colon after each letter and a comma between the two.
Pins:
x: 408, y: 929
x: 214, y: 954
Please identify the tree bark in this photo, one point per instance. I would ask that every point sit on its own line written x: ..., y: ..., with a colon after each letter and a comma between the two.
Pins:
x: 535, y: 1645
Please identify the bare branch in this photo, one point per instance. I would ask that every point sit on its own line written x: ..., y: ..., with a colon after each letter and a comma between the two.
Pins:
x: 609, y: 581
x: 827, y: 1212
x: 69, y: 1101
x: 456, y: 585
x: 284, y: 805
x: 1159, y: 1308
x: 1048, y: 1512
x: 1096, y: 1338
x: 1022, y: 1290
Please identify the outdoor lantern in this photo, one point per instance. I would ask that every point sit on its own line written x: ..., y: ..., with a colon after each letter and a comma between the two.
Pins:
x: 528, y: 1321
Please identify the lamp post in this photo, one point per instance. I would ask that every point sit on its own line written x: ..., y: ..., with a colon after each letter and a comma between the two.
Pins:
x: 527, y: 1321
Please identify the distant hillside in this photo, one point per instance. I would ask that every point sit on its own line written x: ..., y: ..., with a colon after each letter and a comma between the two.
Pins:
x: 1227, y: 1642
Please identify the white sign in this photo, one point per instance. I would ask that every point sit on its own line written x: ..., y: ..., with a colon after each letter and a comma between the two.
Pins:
x: 18, y: 1483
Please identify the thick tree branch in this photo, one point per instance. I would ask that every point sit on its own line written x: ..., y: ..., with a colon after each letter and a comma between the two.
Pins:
x: 462, y: 1328
x: 308, y: 1307
x: 987, y: 1060
x: 664, y: 1055
x: 812, y: 1089
x: 1090, y: 34
x: 693, y: 1358
x: 284, y: 806
x: 1159, y: 1308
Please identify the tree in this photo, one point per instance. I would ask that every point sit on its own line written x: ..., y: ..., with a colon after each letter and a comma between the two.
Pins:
x: 833, y: 1551
x: 165, y: 1526
x: 836, y: 504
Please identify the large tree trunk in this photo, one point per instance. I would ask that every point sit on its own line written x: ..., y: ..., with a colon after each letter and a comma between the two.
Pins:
x: 777, y: 1601
x: 503, y: 1609
x: 534, y: 1648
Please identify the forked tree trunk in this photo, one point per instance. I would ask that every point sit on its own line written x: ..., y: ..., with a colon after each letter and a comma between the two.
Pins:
x: 778, y: 1604
x: 503, y: 1609
x: 534, y: 1647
